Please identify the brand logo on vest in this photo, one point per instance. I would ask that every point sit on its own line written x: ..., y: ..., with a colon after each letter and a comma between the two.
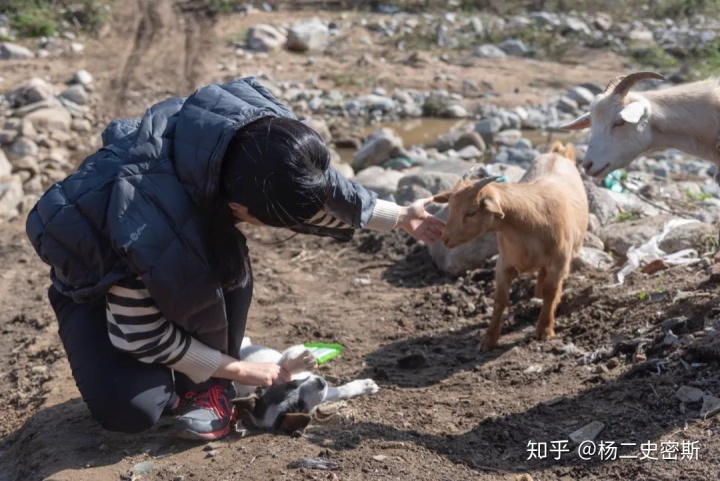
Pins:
x: 134, y: 236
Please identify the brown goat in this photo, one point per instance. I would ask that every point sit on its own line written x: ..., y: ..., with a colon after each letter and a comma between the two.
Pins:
x: 540, y: 225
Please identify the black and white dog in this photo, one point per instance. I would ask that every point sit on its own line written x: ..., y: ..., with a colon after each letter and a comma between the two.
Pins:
x: 288, y: 407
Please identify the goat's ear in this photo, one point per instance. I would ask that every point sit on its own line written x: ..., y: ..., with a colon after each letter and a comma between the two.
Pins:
x: 633, y: 112
x: 442, y: 197
x: 569, y: 152
x: 492, y: 206
x: 557, y: 148
x: 579, y: 123
x: 294, y: 423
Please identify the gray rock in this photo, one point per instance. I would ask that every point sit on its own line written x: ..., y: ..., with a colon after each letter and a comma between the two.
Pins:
x: 588, y: 432
x: 470, y: 255
x: 508, y: 138
x: 592, y: 240
x: 433, y: 182
x: 5, y: 167
x: 81, y: 125
x: 600, y: 203
x: 265, y: 38
x: 487, y: 128
x: 410, y: 193
x: 602, y: 22
x: 690, y: 236
x: 456, y: 111
x: 688, y: 394
x: 52, y: 118
x: 76, y: 93
x: 28, y: 164
x: 11, y: 196
x: 13, y: 51
x: 377, y: 102
x: 32, y: 91
x: 470, y: 139
x: 321, y: 127
x: 516, y: 48
x: 523, y: 144
x: 710, y: 407
x: 307, y: 36
x: 383, y: 181
x: 83, y: 77
x: 520, y: 157
x: 567, y: 105
x: 576, y: 25
x: 24, y: 147
x: 8, y: 136
x: 381, y: 146
x: 468, y: 153
x: 593, y: 224
x: 489, y: 51
x: 581, y: 95
x: 593, y: 259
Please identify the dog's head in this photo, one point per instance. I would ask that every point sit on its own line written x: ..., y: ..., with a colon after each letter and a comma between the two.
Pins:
x: 285, y: 407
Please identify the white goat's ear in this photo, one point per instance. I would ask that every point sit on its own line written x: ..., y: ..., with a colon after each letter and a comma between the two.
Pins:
x: 633, y: 112
x: 579, y: 123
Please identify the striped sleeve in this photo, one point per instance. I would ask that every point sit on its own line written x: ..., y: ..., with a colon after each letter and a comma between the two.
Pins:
x: 137, y: 327
x: 384, y: 218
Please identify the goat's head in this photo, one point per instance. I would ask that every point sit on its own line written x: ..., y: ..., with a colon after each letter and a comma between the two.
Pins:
x: 619, y: 125
x: 473, y: 209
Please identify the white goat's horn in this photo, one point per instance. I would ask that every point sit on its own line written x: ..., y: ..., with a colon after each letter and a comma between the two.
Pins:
x: 624, y: 84
x: 483, y: 182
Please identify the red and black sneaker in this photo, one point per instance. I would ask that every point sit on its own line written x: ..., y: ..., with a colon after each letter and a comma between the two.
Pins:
x: 210, y: 413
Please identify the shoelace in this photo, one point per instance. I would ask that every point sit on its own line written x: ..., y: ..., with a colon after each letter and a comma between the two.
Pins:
x: 210, y: 399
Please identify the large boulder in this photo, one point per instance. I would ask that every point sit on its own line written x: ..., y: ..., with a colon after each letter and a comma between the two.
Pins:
x: 383, y: 181
x: 463, y: 258
x: 265, y: 38
x: 619, y: 237
x: 13, y: 51
x: 601, y: 203
x: 381, y: 146
x: 51, y: 118
x: 308, y: 36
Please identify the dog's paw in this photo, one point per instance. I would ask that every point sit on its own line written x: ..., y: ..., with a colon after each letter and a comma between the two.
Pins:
x: 298, y: 359
x: 368, y: 386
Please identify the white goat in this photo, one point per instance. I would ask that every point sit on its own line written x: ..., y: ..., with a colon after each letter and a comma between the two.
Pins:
x: 624, y: 125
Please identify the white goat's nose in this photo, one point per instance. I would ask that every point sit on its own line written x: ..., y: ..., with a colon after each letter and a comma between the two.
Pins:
x: 587, y: 165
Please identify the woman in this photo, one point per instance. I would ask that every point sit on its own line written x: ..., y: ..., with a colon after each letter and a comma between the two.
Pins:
x: 151, y: 279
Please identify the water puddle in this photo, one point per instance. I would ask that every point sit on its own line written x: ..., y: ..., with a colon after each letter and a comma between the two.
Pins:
x: 425, y: 131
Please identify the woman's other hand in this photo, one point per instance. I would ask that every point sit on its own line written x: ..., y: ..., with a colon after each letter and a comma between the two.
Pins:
x: 263, y: 374
x: 417, y: 222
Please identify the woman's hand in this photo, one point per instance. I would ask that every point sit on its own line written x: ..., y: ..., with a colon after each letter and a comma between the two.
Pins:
x: 417, y: 222
x: 263, y: 374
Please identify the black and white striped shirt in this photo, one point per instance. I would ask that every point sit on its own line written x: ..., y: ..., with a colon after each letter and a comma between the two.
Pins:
x: 136, y: 326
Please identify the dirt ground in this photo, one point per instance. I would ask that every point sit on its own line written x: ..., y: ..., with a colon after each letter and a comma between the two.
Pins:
x: 445, y: 411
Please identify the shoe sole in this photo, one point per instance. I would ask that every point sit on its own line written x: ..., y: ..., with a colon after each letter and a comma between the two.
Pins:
x: 188, y: 434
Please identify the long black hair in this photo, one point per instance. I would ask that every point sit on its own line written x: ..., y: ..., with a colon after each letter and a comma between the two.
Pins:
x: 276, y: 168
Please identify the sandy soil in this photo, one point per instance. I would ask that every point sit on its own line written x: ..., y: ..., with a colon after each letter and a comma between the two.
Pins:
x: 445, y: 411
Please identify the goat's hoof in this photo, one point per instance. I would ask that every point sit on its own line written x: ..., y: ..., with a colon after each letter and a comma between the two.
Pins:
x: 542, y: 334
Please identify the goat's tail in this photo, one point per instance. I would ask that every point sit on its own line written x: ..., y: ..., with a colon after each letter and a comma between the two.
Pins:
x: 567, y: 151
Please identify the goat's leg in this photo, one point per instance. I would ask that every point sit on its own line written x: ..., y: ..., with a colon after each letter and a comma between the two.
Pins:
x: 551, y: 294
x: 542, y: 273
x: 504, y: 276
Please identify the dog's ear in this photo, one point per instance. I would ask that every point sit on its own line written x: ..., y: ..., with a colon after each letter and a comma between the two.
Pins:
x: 294, y: 423
x: 244, y: 407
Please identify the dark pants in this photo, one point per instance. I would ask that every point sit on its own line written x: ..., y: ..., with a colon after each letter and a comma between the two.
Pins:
x: 122, y: 393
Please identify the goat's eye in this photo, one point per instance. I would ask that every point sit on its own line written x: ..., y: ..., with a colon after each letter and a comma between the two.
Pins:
x: 470, y: 213
x: 619, y: 123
